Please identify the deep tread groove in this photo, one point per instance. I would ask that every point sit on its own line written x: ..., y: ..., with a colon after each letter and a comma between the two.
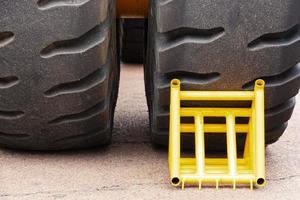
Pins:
x: 285, y: 38
x: 181, y: 36
x: 48, y: 4
x: 11, y: 115
x: 87, y: 114
x: 13, y: 136
x: 191, y: 77
x: 276, y: 79
x: 272, y: 135
x: 6, y: 38
x: 9, y: 81
x: 81, y: 44
x: 284, y: 106
x: 81, y: 85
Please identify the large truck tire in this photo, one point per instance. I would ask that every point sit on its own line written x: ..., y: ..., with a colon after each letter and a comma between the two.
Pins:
x: 58, y: 73
x: 133, y: 39
x: 223, y: 45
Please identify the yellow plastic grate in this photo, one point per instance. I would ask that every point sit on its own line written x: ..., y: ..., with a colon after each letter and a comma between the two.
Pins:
x: 231, y: 170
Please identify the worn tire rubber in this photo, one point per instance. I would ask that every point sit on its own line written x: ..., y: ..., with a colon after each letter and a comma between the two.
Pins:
x: 223, y: 45
x: 59, y: 73
x: 133, y: 40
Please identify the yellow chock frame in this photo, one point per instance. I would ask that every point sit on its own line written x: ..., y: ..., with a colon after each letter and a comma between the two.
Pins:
x: 248, y: 170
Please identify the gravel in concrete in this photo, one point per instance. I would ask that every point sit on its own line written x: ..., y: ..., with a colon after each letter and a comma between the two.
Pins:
x: 131, y: 168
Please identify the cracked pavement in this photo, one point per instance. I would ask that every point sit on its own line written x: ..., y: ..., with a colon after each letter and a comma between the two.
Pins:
x: 131, y: 168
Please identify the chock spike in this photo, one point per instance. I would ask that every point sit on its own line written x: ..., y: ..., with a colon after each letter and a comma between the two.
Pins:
x: 200, y: 184
x: 234, y: 185
x: 182, y: 185
x: 217, y: 184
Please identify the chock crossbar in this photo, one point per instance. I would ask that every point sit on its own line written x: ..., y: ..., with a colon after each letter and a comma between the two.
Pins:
x: 249, y: 169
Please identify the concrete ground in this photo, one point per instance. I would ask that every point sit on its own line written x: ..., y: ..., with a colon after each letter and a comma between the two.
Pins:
x: 131, y: 168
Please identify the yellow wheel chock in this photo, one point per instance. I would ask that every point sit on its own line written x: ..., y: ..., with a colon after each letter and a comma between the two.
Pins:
x: 231, y: 170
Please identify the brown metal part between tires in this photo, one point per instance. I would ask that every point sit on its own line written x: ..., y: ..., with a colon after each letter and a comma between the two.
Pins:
x: 132, y: 8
